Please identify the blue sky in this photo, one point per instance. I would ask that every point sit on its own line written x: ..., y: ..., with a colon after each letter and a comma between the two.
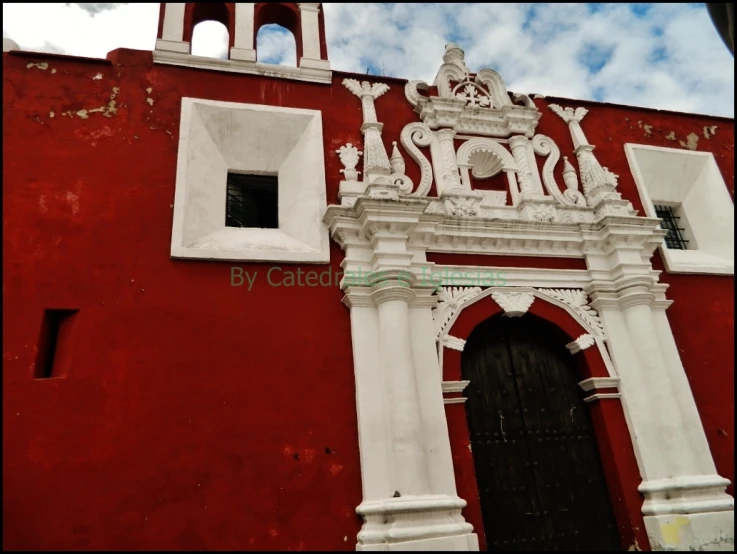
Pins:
x: 664, y: 56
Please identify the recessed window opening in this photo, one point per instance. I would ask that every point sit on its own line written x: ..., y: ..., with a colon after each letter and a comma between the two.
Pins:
x: 53, y: 343
x: 210, y: 39
x: 671, y: 222
x: 276, y: 45
x: 252, y: 201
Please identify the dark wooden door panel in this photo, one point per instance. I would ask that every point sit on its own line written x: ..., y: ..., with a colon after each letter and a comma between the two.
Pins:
x: 538, y: 469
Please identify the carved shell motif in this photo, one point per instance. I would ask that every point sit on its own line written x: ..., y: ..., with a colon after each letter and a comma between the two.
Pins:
x: 485, y: 164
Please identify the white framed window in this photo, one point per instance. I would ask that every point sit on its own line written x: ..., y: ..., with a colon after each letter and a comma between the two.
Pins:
x: 689, y: 186
x: 220, y: 139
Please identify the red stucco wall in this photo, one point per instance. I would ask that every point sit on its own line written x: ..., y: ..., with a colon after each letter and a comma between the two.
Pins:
x: 194, y: 414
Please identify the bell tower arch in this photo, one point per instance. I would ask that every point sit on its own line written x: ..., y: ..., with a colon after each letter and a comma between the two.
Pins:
x: 243, y: 21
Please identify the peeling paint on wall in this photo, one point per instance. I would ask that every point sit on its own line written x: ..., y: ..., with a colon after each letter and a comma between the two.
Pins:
x: 671, y: 136
x: 693, y: 140
x: 41, y: 65
x: 710, y: 131
x: 108, y: 111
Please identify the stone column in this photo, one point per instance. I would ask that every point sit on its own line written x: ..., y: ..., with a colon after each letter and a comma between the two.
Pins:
x: 686, y: 506
x: 445, y: 163
x: 409, y: 495
x: 173, y: 32
x: 392, y: 298
x: 243, y: 46
x: 528, y: 186
x: 311, y: 37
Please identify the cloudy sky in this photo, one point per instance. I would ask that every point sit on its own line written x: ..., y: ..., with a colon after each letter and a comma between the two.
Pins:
x: 665, y: 56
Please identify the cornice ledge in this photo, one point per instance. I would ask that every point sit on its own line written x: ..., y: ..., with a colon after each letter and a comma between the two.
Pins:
x: 596, y: 383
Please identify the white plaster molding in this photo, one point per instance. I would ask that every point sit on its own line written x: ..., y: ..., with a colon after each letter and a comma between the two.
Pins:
x: 450, y: 300
x: 375, y: 160
x: 458, y: 400
x: 454, y: 343
x: 666, y: 496
x: 581, y: 343
x: 597, y: 383
x: 412, y: 136
x: 692, y: 183
x: 184, y: 59
x: 603, y: 396
x: 431, y: 522
x: 349, y: 156
x: 598, y: 182
x: 480, y: 106
x: 454, y: 386
x: 578, y: 300
x: 545, y: 146
x: 220, y: 137
x: 444, y: 320
x: 397, y: 229
x: 514, y: 304
x: 450, y: 275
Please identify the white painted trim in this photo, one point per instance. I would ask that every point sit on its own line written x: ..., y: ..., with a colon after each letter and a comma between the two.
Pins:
x: 454, y: 386
x: 693, y: 181
x: 459, y: 400
x: 309, y: 74
x: 581, y: 343
x: 595, y: 383
x: 219, y: 137
x: 602, y: 396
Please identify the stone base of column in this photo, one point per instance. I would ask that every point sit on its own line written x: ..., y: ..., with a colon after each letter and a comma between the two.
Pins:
x: 689, y: 513
x: 314, y: 64
x: 427, y: 522
x: 244, y: 54
x: 703, y: 531
x: 172, y: 46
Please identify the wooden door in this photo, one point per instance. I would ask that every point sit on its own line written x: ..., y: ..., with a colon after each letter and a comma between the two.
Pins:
x: 539, y: 474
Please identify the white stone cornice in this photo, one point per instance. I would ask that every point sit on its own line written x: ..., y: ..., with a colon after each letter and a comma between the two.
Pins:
x: 460, y: 275
x: 603, y: 396
x: 596, y: 383
x: 454, y: 386
x: 581, y: 343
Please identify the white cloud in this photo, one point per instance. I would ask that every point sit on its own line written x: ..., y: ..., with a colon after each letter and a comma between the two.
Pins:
x: 665, y: 56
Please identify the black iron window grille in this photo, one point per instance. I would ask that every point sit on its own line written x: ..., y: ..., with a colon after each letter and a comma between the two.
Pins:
x: 252, y: 201
x: 674, y: 238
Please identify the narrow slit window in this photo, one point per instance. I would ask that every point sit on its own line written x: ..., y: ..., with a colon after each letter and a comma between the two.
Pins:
x: 52, y: 347
x: 674, y: 239
x: 252, y: 201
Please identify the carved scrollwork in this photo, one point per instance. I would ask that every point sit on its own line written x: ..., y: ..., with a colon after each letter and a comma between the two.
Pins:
x: 578, y: 300
x: 412, y: 92
x: 450, y: 300
x: 544, y: 146
x: 413, y: 135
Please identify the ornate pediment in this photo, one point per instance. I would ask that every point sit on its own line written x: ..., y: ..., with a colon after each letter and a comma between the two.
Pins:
x: 471, y: 103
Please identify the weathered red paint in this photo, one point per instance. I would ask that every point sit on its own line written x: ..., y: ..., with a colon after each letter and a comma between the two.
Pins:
x: 197, y: 415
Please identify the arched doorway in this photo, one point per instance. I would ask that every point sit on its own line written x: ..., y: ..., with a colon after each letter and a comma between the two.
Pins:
x: 540, y: 479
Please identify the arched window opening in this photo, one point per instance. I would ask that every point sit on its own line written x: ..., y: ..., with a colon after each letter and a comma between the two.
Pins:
x: 210, y: 39
x: 276, y: 45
